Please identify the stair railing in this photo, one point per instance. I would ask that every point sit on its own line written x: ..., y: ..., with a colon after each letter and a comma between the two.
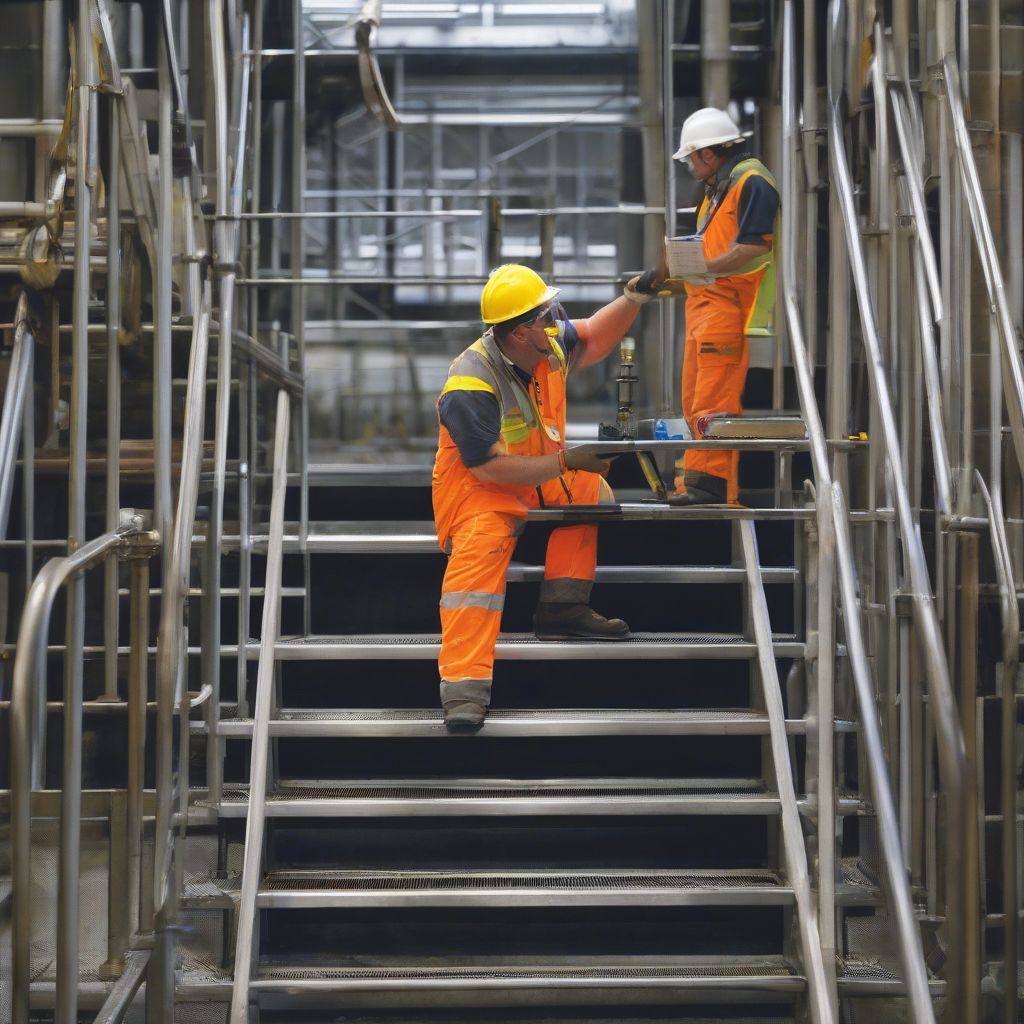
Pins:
x: 19, y: 379
x: 988, y: 257
x: 837, y: 549
x: 27, y: 723
x: 820, y: 984
x: 949, y: 739
x: 256, y: 819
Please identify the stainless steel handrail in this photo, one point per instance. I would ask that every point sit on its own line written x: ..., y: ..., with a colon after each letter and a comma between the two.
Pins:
x: 254, y: 827
x: 28, y: 692
x: 18, y: 378
x: 821, y: 994
x: 835, y: 541
x: 988, y: 257
x: 1008, y: 768
x: 226, y: 234
x: 926, y: 273
x: 949, y: 740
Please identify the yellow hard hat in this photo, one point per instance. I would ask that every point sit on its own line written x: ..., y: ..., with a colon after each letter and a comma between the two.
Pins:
x: 511, y: 291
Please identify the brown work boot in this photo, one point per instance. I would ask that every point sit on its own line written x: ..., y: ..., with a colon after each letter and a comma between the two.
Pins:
x: 464, y: 715
x: 576, y: 622
x: 704, y: 490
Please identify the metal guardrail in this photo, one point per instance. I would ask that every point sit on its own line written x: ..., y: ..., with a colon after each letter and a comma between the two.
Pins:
x: 836, y: 550
x: 949, y: 739
x: 28, y: 695
x: 821, y: 990
x: 255, y: 822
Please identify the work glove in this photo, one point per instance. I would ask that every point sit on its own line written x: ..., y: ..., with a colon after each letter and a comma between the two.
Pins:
x: 644, y: 287
x: 587, y: 461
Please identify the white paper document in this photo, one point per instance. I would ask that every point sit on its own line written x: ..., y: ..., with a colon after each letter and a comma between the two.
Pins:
x: 685, y: 256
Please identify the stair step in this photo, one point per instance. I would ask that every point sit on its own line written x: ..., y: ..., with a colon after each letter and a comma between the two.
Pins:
x: 526, y: 647
x: 512, y: 888
x: 554, y: 980
x: 518, y: 572
x: 420, y: 537
x: 503, y: 797
x: 324, y: 722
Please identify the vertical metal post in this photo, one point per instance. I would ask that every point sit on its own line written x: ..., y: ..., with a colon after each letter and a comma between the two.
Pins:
x: 110, y: 599
x: 298, y: 263
x: 138, y: 662
x: 967, y: 642
x: 715, y: 23
x: 667, y: 310
x: 66, y: 1009
x: 162, y: 502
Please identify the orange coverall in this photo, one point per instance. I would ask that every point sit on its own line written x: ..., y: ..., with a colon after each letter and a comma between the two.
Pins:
x: 719, y: 317
x: 478, y: 522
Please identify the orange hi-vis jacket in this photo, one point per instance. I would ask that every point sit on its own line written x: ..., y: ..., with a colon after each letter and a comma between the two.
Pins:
x: 532, y: 423
x: 742, y: 302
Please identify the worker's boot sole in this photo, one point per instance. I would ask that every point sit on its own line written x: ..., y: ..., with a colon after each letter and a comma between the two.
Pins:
x: 545, y: 635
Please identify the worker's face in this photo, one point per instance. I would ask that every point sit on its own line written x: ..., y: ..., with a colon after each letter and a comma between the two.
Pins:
x: 703, y: 163
x: 530, y: 340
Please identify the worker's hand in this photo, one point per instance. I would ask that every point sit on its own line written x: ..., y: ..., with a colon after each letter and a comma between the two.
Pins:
x: 585, y: 460
x: 644, y: 287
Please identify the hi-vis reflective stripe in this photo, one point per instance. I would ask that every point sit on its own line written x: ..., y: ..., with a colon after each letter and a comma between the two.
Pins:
x: 467, y: 384
x: 473, y: 599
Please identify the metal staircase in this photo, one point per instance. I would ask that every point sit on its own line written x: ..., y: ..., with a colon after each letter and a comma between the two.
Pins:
x: 514, y: 771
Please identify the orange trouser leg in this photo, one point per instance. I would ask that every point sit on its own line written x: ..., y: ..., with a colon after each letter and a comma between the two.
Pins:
x: 572, y: 550
x: 472, y: 596
x: 717, y: 373
x: 689, y: 387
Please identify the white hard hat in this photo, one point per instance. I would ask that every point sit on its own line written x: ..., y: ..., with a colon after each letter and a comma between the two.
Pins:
x: 708, y: 126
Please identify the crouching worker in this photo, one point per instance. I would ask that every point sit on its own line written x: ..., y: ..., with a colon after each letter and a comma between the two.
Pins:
x: 501, y: 451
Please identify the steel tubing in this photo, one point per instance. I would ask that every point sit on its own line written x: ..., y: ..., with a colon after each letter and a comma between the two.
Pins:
x: 821, y: 995
x: 1008, y: 735
x: 29, y: 680
x: 138, y: 661
x: 110, y: 603
x: 943, y: 703
x: 18, y: 378
x: 988, y: 257
x: 825, y: 668
x: 66, y: 1010
x: 835, y: 543
x: 255, y: 821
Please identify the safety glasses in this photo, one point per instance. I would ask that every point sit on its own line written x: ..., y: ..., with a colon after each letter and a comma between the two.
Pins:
x: 545, y: 318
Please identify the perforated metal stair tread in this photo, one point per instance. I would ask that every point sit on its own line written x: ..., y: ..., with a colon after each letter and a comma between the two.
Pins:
x: 857, y: 977
x: 405, y: 798
x: 526, y: 647
x: 518, y: 888
x: 324, y: 722
x: 766, y: 975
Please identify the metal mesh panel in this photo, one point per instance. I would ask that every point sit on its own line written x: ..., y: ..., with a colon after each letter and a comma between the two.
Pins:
x: 92, y: 932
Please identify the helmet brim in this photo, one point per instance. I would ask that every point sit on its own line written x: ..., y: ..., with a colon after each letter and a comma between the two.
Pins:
x: 719, y: 140
x: 549, y: 294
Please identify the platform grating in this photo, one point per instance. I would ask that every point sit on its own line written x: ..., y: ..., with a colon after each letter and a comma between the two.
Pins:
x: 555, y: 714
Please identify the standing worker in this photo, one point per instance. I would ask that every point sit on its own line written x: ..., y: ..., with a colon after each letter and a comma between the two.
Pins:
x: 501, y: 451
x: 737, y: 221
